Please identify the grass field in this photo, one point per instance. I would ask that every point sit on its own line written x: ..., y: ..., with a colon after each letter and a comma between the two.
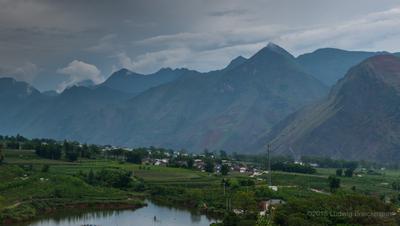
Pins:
x: 19, y: 186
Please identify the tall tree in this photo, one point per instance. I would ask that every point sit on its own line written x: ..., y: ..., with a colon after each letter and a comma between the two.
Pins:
x: 224, y: 169
x: 334, y: 183
x: 349, y: 172
x: 339, y: 172
x: 209, y: 166
x: 1, y: 154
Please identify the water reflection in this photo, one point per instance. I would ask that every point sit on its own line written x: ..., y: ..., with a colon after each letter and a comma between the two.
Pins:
x: 151, y: 215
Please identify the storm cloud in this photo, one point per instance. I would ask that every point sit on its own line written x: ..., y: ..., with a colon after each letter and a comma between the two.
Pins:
x: 41, y: 38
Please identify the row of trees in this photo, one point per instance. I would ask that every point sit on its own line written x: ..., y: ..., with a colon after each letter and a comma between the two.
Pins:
x: 325, y: 162
x: 293, y: 167
x: 70, y: 150
x: 347, y: 173
x: 116, y: 178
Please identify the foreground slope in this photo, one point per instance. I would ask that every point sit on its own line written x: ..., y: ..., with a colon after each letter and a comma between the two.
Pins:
x: 360, y: 119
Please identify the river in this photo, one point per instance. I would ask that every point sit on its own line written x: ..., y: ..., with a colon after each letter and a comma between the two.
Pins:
x: 151, y: 215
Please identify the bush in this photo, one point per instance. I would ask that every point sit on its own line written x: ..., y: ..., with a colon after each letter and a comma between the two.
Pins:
x: 117, y: 178
x: 45, y: 168
x: 292, y: 167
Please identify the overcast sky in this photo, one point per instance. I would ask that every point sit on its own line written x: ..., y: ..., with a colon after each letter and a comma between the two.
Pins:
x: 55, y: 43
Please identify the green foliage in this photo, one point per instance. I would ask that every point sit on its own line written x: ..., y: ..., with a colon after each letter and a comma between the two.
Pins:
x: 396, y: 185
x: 209, y: 166
x: 231, y: 219
x: 134, y: 157
x: 190, y: 163
x: 339, y: 172
x: 223, y: 154
x: 246, y: 182
x: 325, y: 162
x: 245, y: 201
x: 117, y: 178
x: 48, y: 150
x: 349, y: 172
x: 45, y: 168
x: 334, y: 183
x: 1, y: 154
x: 224, y: 169
x: 335, y: 210
x: 264, y: 221
x: 292, y: 167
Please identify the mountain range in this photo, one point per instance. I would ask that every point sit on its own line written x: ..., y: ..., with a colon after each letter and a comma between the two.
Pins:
x: 359, y: 119
x: 271, y: 96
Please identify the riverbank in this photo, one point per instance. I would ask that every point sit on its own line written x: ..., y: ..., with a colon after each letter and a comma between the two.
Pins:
x: 150, y: 215
x: 29, y: 211
x: 26, y: 192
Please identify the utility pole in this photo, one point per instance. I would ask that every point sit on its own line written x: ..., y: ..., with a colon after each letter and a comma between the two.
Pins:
x: 269, y: 165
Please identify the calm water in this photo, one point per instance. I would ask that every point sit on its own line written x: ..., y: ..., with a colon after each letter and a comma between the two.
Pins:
x: 166, y: 216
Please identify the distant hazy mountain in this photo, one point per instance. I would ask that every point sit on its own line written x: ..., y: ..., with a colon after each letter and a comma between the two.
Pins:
x: 10, y: 88
x: 50, y: 93
x: 15, y: 96
x: 86, y: 83
x: 235, y: 63
x: 360, y: 119
x: 131, y: 82
x: 227, y: 110
x: 329, y: 64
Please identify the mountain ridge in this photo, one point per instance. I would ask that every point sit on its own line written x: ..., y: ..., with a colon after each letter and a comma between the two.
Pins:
x: 356, y: 121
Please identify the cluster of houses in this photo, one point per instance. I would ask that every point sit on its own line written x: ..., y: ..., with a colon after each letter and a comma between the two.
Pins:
x: 162, y: 158
x: 181, y: 159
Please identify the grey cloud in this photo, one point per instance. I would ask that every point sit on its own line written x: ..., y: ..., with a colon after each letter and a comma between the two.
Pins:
x: 145, y: 35
x: 232, y: 12
x: 78, y: 71
x: 25, y: 72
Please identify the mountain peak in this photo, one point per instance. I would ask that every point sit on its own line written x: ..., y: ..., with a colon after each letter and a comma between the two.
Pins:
x: 10, y: 86
x: 277, y: 49
x: 123, y: 71
x: 236, y: 62
x: 164, y: 69
x: 272, y: 50
x: 384, y: 67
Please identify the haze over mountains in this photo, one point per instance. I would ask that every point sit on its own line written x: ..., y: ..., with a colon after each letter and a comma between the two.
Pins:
x: 360, y: 119
x: 232, y: 109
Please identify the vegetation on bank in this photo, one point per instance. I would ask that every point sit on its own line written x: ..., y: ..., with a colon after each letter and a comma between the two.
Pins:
x: 31, y: 183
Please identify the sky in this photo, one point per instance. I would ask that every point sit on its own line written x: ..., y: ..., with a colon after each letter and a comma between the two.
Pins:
x: 54, y: 44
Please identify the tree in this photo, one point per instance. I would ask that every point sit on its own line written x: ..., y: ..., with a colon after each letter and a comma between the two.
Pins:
x: 396, y: 185
x: 222, y: 154
x: 134, y: 157
x: 224, y: 169
x: 209, y: 166
x: 90, y: 177
x: 339, y: 172
x: 245, y: 201
x: 45, y: 168
x: 349, y: 172
x: 1, y: 154
x: 264, y: 221
x: 334, y: 183
x: 72, y: 156
x: 190, y: 163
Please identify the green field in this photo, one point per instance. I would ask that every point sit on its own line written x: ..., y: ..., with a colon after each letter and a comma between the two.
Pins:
x: 25, y: 189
